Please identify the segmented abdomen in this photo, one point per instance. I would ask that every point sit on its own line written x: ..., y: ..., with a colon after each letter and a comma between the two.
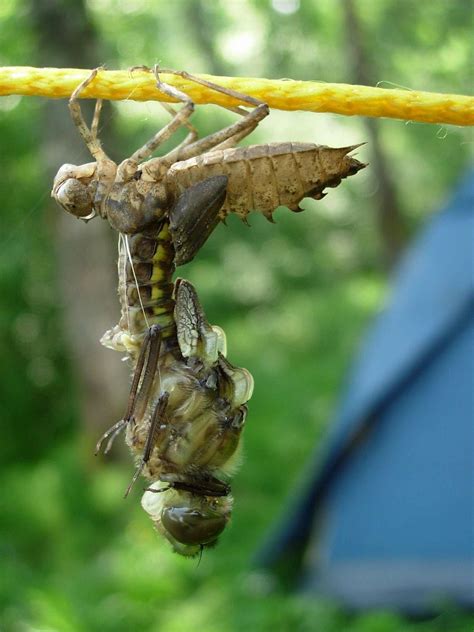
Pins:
x: 147, y: 288
x: 263, y: 177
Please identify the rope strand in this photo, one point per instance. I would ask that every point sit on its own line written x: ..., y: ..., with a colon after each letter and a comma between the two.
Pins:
x: 312, y: 96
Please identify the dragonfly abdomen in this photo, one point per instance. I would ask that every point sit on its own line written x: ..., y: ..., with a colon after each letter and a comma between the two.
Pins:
x: 146, y: 283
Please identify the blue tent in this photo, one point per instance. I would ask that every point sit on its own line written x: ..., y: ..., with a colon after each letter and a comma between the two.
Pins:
x: 387, y: 516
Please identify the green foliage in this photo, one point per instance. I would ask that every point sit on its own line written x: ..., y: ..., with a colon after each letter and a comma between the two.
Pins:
x: 293, y: 299
x: 34, y: 370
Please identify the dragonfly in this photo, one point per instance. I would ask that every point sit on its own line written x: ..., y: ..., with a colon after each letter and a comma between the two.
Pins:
x: 187, y: 404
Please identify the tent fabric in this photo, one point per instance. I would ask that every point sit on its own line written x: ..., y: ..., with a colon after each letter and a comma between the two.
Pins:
x: 387, y: 517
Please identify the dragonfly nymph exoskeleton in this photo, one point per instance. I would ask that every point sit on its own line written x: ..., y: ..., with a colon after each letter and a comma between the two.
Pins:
x: 187, y: 404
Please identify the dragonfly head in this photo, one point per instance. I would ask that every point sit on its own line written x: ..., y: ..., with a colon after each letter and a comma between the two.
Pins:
x: 80, y: 189
x: 188, y: 521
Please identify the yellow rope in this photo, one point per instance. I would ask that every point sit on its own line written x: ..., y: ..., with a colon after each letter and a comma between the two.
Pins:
x: 410, y: 105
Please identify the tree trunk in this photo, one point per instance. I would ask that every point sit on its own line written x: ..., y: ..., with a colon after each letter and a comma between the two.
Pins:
x: 200, y: 21
x: 85, y: 253
x: 390, y: 222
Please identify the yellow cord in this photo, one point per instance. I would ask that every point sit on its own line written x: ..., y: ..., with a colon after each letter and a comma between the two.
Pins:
x: 138, y: 85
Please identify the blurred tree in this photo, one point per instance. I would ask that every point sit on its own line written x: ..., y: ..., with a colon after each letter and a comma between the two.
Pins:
x: 389, y: 217
x: 66, y: 37
x: 201, y: 19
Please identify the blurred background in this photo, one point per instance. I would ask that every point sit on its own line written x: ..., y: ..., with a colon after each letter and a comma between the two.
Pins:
x: 294, y: 298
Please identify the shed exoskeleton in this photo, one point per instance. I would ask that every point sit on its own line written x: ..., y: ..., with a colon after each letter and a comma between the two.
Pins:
x: 187, y: 403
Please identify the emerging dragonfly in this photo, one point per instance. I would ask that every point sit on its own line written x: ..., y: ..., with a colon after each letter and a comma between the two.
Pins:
x: 187, y: 403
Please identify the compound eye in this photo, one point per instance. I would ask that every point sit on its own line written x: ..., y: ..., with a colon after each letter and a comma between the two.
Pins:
x: 75, y: 198
x: 190, y: 526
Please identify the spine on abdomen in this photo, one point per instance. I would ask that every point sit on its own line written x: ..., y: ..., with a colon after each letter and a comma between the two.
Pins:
x: 263, y: 177
x: 146, y: 289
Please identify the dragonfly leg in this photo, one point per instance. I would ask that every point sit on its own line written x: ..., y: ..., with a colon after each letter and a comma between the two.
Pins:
x: 110, y: 434
x: 175, y: 154
x: 129, y: 166
x: 144, y: 374
x: 156, y: 420
x: 89, y: 135
x: 240, y: 96
x: 142, y: 382
x: 236, y: 131
x: 201, y: 486
x: 193, y: 133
